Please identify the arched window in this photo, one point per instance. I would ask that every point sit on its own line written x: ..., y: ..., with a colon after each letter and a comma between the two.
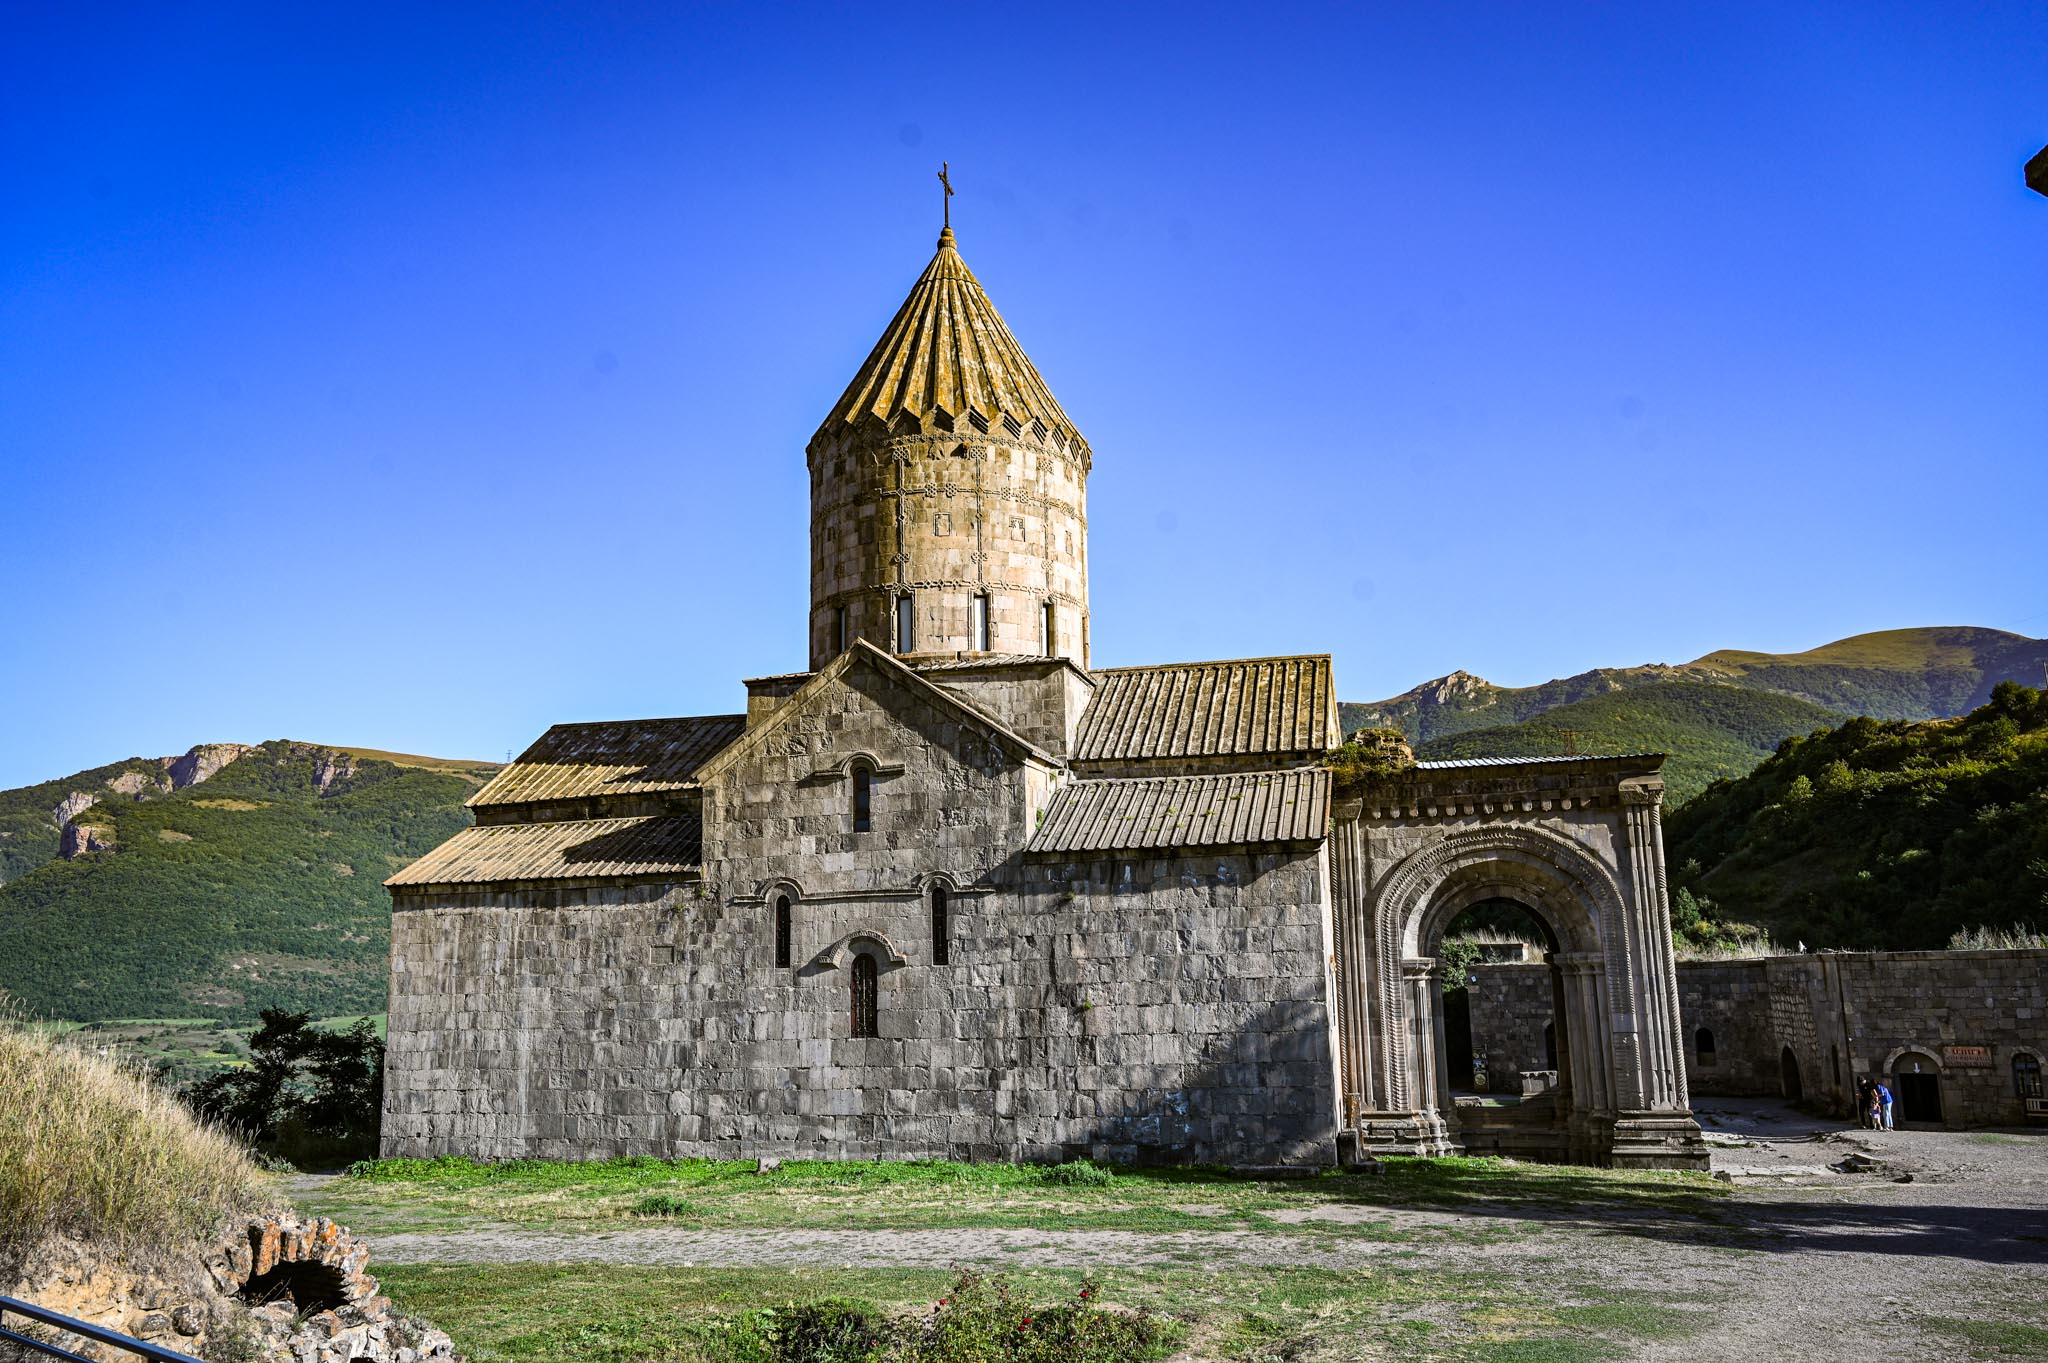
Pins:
x: 1703, y: 1047
x: 863, y: 799
x: 865, y: 1000
x: 2026, y: 1075
x: 942, y: 927
x: 782, y: 931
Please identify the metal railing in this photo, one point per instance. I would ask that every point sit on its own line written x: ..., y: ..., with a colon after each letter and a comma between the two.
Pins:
x: 155, y: 1353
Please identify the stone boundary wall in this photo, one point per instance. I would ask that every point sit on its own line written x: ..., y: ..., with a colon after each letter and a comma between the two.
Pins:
x: 1731, y: 1001
x: 1844, y: 1016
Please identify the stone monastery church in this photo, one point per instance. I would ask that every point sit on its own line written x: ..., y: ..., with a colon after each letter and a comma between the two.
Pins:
x: 955, y: 893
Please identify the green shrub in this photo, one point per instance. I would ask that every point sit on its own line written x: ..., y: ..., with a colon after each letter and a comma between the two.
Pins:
x: 981, y: 1322
x: 1077, y: 1174
x: 829, y: 1331
x: 665, y: 1204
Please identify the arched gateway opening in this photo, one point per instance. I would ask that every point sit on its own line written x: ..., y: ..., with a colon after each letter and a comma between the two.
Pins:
x: 1593, y: 1055
x: 1501, y: 1030
x: 1533, y: 1110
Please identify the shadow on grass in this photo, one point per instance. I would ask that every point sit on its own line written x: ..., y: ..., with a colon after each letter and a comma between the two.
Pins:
x: 1691, y: 1212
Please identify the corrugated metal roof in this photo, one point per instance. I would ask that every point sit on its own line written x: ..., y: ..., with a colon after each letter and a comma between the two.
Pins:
x: 1247, y: 706
x: 616, y: 757
x: 1238, y: 809
x: 561, y: 851
x: 1449, y: 763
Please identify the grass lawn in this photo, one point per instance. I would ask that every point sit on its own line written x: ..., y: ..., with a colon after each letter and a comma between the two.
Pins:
x: 524, y: 1313
x: 508, y: 1313
x: 449, y: 1194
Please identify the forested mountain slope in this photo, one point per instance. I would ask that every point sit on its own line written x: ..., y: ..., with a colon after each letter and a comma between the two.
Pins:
x: 256, y: 885
x: 1710, y: 731
x: 1880, y: 834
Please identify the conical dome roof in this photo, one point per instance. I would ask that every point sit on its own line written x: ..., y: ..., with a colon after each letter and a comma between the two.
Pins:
x: 949, y: 352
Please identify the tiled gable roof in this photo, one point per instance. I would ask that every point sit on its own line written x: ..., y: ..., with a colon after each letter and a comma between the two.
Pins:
x: 573, y: 850
x: 1237, y: 809
x: 616, y: 757
x: 1247, y: 707
x: 865, y: 654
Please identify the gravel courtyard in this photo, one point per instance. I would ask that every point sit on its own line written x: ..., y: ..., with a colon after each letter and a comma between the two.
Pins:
x: 1937, y: 1249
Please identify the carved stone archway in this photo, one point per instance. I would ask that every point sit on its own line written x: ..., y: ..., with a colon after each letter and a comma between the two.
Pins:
x: 1580, y: 845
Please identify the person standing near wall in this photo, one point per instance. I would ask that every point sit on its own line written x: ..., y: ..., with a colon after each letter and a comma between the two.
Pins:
x: 1884, y: 1105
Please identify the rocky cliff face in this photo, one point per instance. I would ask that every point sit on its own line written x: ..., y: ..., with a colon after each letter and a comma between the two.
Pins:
x: 81, y: 838
x: 202, y: 762
x: 332, y: 767
x: 145, y: 781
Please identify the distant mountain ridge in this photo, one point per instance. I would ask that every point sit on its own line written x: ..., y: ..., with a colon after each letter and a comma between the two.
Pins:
x: 1719, y: 715
x: 1924, y: 673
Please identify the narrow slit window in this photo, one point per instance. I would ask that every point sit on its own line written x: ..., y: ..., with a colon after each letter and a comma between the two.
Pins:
x: 1049, y: 629
x: 942, y: 927
x: 977, y: 623
x: 839, y: 639
x: 782, y: 932
x: 906, y: 624
x: 866, y: 1002
x: 863, y: 799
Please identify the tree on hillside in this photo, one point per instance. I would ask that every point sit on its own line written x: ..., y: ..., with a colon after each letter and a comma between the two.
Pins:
x: 309, y: 1096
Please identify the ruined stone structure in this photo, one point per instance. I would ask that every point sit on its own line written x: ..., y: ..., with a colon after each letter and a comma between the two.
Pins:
x: 950, y: 892
x: 1960, y: 1037
x: 277, y: 1286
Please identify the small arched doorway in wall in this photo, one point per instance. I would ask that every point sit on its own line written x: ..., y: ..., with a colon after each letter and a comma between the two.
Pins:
x: 1790, y: 1086
x: 1916, y: 1089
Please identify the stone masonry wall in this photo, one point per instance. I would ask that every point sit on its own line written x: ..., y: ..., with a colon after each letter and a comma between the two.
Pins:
x: 1730, y: 1000
x: 943, y: 518
x: 1169, y: 1010
x: 1511, y: 1003
x: 1852, y: 1015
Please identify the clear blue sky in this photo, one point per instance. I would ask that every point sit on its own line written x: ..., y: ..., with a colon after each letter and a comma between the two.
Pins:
x: 415, y: 378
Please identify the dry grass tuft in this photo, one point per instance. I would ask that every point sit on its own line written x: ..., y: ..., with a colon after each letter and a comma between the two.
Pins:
x: 92, y: 1152
x: 2019, y: 937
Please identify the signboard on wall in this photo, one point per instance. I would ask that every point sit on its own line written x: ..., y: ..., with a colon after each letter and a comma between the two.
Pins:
x: 1963, y: 1056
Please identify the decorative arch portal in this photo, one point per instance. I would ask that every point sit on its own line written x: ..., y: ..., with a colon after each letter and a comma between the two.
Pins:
x: 1619, y: 1095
